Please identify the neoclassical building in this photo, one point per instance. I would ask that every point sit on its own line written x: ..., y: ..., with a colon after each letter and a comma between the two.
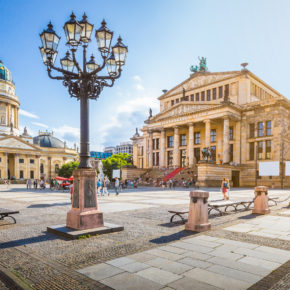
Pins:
x: 22, y: 156
x: 239, y: 117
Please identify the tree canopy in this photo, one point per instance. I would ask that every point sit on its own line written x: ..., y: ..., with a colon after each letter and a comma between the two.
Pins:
x: 116, y: 161
x: 67, y: 169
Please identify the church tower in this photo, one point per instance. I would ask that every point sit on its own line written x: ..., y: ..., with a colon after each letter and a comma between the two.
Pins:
x: 9, y: 103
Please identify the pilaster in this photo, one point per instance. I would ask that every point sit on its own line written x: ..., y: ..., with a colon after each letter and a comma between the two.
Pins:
x: 226, y: 149
x: 162, y: 148
x: 207, y: 133
x: 176, y: 153
x: 190, y: 153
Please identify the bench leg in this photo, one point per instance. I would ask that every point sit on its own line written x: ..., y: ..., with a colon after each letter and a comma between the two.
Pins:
x: 9, y: 216
x: 176, y: 214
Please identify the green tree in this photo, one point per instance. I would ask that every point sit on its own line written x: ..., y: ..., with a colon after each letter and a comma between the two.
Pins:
x: 67, y: 169
x: 116, y: 161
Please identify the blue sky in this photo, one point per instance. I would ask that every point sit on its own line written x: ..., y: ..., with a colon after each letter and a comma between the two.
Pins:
x: 165, y: 37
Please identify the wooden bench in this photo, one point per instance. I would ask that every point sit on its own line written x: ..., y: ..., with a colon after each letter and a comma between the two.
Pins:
x: 220, y: 204
x: 4, y: 212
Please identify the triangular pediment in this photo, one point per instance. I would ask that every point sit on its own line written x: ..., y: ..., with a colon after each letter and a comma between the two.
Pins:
x: 198, y: 80
x: 181, y: 109
x: 16, y: 143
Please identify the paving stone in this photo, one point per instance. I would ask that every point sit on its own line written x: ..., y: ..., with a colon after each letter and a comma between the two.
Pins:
x: 100, y: 271
x: 216, y: 280
x: 238, y: 265
x: 127, y: 281
x: 164, y: 254
x: 159, y: 276
x: 167, y: 265
x: 172, y: 249
x: 208, y: 244
x: 120, y: 261
x: 260, y: 262
x: 167, y: 288
x: 195, y: 263
x: 226, y: 254
x: 134, y: 267
x: 273, y: 251
x: 237, y: 243
x: 187, y: 283
x: 207, y: 238
x: 197, y: 255
x: 141, y: 257
x: 272, y: 257
x: 192, y: 247
x: 236, y: 274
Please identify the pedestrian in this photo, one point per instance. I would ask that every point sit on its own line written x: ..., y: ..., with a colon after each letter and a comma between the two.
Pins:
x: 170, y: 184
x: 27, y: 183
x: 117, y: 184
x: 105, y: 188
x: 174, y: 184
x: 34, y: 184
x: 51, y: 184
x: 224, y: 188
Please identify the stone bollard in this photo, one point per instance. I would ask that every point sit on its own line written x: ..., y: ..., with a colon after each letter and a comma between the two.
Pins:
x: 261, y: 200
x: 198, y: 212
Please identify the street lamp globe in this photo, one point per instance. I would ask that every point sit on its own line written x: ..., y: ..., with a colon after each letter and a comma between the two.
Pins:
x: 48, y: 57
x: 120, y: 52
x: 73, y: 31
x: 91, y: 64
x: 104, y: 38
x: 87, y: 29
x: 67, y: 63
x: 111, y: 65
x: 49, y: 39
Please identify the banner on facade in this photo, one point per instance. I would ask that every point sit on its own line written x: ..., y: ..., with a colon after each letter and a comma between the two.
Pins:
x: 271, y: 168
x: 287, y: 168
x: 116, y: 173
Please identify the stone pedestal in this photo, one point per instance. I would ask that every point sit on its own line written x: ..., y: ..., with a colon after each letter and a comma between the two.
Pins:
x: 84, y: 213
x: 261, y: 200
x: 198, y: 212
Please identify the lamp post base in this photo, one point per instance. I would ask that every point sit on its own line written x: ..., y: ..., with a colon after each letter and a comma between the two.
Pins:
x: 84, y: 213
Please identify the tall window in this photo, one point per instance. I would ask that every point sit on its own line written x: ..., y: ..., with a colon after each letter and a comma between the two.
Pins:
x: 157, y: 159
x: 231, y: 152
x: 269, y: 128
x: 214, y: 94
x: 153, y: 144
x: 169, y: 158
x: 208, y: 95
x: 203, y: 95
x: 252, y: 130
x: 197, y: 138
x: 231, y: 133
x: 21, y: 160
x: 227, y: 90
x: 213, y: 135
x: 260, y: 129
x: 41, y: 168
x: 260, y: 150
x: 153, y: 159
x: 172, y: 102
x: 252, y: 150
x: 170, y: 141
x: 213, y: 152
x: 157, y: 143
x: 192, y: 98
x: 21, y: 174
x: 56, y: 168
x: 197, y: 154
x: 182, y: 140
x: 32, y: 174
x: 182, y: 157
x: 268, y: 149
x: 177, y: 101
x: 197, y: 97
x: 220, y: 92
x: 31, y: 161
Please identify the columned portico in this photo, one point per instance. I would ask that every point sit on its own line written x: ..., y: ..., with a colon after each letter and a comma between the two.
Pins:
x: 190, y: 153
x: 150, y: 150
x: 162, y: 148
x: 176, y: 153
x: 226, y: 147
x: 207, y: 133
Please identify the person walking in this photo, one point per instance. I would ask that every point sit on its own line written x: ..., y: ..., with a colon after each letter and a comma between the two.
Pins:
x: 117, y: 184
x: 224, y: 188
x: 27, y: 183
x: 105, y: 188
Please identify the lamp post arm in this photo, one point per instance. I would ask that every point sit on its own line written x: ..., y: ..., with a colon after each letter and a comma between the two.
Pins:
x: 99, y: 68
x: 111, y: 77
x: 52, y: 77
x: 51, y: 66
x: 106, y: 84
x: 75, y: 61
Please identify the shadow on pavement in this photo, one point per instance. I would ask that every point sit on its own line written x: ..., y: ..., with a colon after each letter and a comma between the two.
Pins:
x: 173, y: 237
x: 248, y: 217
x: 41, y: 205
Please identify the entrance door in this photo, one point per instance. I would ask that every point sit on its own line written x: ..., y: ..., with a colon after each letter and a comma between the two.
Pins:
x: 236, y: 178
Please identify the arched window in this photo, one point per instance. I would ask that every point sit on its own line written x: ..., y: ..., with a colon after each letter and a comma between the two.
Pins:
x: 41, y: 168
x: 56, y: 168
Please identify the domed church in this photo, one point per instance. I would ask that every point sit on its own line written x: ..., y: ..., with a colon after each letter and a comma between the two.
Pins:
x: 21, y: 155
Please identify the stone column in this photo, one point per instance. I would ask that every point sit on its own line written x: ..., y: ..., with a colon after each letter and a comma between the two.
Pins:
x: 190, y: 154
x: 5, y: 175
x: 226, y: 149
x: 16, y: 166
x: 37, y: 167
x: 207, y: 133
x: 162, y: 149
x: 176, y: 153
x: 150, y: 150
x: 27, y: 159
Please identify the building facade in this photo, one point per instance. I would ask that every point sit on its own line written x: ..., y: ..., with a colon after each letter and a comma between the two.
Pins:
x: 124, y: 147
x: 22, y: 156
x: 235, y: 114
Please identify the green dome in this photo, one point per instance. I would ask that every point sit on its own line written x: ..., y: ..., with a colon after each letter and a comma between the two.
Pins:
x: 5, y: 73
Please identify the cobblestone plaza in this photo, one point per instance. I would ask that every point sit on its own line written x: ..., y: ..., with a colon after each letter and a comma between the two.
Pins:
x: 241, y: 251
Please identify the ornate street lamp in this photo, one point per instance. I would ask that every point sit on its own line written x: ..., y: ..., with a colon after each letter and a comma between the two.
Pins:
x: 84, y: 82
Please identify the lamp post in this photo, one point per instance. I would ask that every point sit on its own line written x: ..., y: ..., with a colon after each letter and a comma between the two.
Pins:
x: 84, y: 82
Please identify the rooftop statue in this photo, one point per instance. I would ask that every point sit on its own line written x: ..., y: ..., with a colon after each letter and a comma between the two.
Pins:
x: 202, y: 66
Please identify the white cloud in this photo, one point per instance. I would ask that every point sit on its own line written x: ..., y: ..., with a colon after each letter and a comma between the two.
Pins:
x: 27, y: 114
x: 139, y: 87
x: 137, y: 78
x: 40, y: 124
x: 67, y: 132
